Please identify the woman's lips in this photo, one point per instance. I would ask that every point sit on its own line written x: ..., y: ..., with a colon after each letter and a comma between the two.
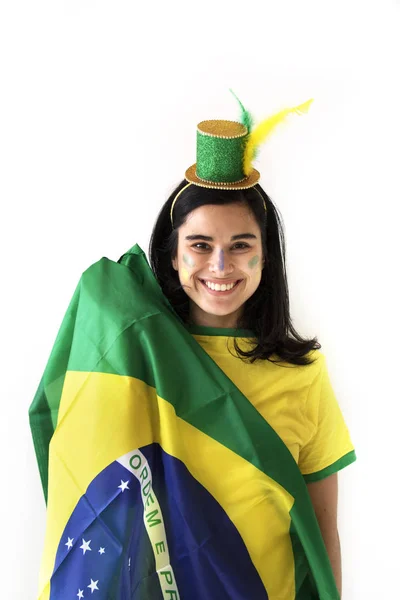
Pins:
x: 236, y: 282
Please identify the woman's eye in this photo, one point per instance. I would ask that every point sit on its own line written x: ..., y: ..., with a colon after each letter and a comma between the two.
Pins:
x: 240, y: 246
x: 201, y: 246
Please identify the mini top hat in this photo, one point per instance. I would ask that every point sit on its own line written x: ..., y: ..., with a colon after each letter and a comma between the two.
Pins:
x: 226, y: 149
x: 220, y: 157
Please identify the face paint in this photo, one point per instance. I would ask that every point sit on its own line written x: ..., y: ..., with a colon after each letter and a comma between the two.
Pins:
x: 221, y: 262
x: 254, y: 261
x: 188, y: 260
x: 184, y: 274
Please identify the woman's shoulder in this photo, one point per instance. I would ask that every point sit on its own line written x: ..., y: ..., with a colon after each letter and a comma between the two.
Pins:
x: 293, y: 375
x: 315, y: 361
x: 223, y: 347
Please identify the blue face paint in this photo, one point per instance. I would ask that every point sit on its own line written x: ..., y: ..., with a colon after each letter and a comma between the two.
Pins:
x: 221, y: 262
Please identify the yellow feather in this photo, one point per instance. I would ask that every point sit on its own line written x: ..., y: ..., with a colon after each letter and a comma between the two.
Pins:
x: 263, y: 129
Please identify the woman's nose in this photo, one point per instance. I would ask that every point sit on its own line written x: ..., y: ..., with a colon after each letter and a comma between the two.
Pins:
x: 220, y: 262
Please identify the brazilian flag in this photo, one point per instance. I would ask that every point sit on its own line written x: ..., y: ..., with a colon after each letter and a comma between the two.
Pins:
x: 162, y: 481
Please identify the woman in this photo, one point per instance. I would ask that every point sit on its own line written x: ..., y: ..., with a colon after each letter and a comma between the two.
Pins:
x: 221, y: 263
x: 203, y: 402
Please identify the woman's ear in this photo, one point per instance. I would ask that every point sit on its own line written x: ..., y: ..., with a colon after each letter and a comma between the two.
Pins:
x: 175, y: 263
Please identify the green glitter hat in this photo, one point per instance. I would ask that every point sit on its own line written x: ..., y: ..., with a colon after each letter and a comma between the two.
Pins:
x: 220, y: 157
x: 226, y: 149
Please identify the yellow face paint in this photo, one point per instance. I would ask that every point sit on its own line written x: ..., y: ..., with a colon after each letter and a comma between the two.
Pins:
x: 184, y: 273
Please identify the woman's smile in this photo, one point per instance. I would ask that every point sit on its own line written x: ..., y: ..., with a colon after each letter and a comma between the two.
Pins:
x: 220, y: 287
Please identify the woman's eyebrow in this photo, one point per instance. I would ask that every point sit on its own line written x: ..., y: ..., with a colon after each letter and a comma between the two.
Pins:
x: 207, y: 238
x: 244, y: 236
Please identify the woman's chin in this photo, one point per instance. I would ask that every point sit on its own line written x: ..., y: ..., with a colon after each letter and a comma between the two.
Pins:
x: 212, y: 310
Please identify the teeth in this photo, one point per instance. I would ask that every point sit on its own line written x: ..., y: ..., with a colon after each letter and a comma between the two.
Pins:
x: 219, y: 288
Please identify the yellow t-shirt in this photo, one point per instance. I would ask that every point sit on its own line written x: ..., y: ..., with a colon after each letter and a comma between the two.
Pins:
x: 297, y: 401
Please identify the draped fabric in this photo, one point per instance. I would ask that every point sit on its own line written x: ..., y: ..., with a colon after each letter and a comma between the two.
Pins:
x: 162, y: 480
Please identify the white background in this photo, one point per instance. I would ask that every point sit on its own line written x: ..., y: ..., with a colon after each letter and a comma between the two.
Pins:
x: 99, y: 106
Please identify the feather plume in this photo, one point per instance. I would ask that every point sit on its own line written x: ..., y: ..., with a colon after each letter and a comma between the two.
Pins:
x: 264, y: 128
x: 245, y: 117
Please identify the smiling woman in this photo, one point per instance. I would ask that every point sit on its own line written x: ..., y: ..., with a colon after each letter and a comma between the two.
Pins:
x: 195, y: 435
x: 218, y: 253
x: 219, y: 257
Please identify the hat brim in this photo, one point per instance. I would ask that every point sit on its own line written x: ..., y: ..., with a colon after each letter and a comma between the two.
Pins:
x: 249, y: 182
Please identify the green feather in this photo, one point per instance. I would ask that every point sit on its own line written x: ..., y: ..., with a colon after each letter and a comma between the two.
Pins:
x: 245, y: 118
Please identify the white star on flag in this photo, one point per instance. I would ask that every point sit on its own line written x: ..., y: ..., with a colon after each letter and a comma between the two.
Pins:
x: 85, y: 546
x: 69, y: 543
x: 102, y: 550
x: 124, y: 485
x: 80, y: 594
x: 93, y: 585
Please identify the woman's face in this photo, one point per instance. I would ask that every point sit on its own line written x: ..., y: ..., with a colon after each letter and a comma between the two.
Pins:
x: 219, y: 262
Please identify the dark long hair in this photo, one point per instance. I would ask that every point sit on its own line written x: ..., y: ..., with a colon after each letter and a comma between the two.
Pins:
x: 266, y: 312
